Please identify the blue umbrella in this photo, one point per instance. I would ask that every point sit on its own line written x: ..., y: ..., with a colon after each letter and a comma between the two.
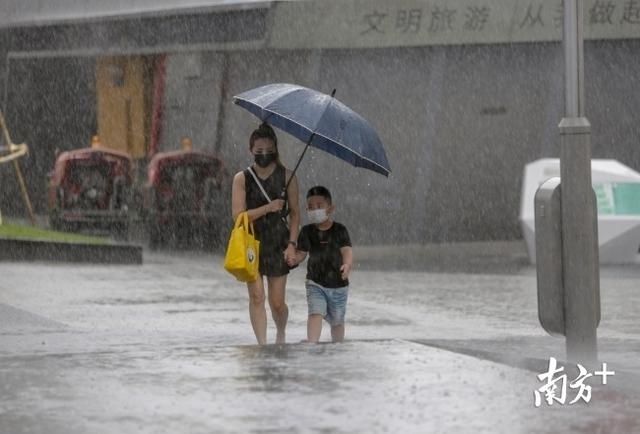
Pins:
x: 320, y: 121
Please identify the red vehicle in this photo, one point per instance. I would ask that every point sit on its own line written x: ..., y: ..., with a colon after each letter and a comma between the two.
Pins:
x: 185, y: 198
x: 91, y: 188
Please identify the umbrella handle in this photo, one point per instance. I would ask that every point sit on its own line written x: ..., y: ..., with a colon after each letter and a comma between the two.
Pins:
x: 284, y: 212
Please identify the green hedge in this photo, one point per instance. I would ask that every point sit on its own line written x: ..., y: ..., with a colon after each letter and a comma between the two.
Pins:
x: 14, y: 231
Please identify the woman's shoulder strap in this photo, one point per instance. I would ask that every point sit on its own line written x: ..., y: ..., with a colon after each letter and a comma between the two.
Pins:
x: 246, y: 173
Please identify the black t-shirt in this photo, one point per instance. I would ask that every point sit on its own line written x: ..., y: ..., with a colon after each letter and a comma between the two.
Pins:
x: 325, y: 258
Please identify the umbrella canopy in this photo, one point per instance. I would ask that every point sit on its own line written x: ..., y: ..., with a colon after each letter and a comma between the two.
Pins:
x: 320, y: 121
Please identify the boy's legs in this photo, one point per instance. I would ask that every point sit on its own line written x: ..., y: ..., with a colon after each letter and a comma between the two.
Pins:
x: 336, y: 310
x: 314, y: 328
x: 317, y: 302
x: 337, y: 333
x: 279, y: 309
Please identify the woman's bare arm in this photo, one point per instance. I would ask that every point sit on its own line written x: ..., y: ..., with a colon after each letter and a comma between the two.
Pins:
x: 239, y: 203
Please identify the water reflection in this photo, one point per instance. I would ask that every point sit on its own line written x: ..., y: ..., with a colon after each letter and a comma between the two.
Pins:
x: 285, y: 368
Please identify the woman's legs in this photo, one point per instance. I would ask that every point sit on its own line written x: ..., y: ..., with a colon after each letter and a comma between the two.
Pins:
x: 257, y: 312
x: 279, y: 309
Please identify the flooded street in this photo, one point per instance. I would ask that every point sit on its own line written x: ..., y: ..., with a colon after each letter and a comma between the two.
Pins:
x: 419, y: 155
x: 167, y: 347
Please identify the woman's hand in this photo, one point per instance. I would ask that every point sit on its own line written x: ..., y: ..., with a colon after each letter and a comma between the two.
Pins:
x: 290, y: 255
x: 275, y: 205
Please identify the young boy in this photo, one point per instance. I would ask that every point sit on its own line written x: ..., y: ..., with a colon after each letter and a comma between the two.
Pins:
x: 330, y: 258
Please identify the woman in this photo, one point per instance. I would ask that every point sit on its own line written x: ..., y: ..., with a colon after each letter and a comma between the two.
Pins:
x: 277, y: 240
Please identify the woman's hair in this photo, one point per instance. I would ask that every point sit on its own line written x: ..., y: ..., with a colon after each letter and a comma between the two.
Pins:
x: 264, y: 131
x: 319, y: 190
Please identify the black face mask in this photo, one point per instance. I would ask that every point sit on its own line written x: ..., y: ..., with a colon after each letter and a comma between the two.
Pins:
x: 263, y: 160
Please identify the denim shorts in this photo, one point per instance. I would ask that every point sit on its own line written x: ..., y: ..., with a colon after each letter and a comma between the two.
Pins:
x: 331, y: 303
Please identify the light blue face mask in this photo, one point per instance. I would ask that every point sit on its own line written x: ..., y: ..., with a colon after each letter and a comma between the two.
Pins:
x: 317, y: 216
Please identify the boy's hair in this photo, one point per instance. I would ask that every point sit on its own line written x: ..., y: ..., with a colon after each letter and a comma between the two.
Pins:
x: 319, y: 190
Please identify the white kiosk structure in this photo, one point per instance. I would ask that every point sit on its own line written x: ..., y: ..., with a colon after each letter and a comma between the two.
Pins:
x: 617, y: 189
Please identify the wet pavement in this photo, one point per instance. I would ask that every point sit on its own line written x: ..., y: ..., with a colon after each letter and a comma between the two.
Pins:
x: 167, y: 347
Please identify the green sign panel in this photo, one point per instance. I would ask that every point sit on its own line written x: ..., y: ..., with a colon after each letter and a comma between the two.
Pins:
x: 618, y: 198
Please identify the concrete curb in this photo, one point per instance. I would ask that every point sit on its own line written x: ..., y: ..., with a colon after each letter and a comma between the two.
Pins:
x: 495, y: 257
x: 32, y: 250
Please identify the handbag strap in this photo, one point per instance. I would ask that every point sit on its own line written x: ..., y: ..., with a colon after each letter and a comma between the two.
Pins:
x: 255, y: 178
x: 243, y: 220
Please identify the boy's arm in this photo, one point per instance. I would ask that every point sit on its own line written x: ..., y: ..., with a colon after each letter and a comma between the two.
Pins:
x: 347, y: 261
x: 302, y: 248
x: 300, y: 256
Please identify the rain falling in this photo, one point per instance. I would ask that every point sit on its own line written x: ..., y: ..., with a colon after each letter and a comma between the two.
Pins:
x: 340, y: 216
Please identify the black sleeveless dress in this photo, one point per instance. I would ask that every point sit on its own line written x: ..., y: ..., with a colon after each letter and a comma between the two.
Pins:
x: 271, y: 230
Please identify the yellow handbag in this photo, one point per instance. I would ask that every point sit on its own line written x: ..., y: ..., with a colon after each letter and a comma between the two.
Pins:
x: 243, y: 251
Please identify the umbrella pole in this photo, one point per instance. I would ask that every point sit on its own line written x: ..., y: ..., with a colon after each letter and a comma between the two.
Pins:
x: 295, y: 169
x: 333, y: 94
x: 283, y: 195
